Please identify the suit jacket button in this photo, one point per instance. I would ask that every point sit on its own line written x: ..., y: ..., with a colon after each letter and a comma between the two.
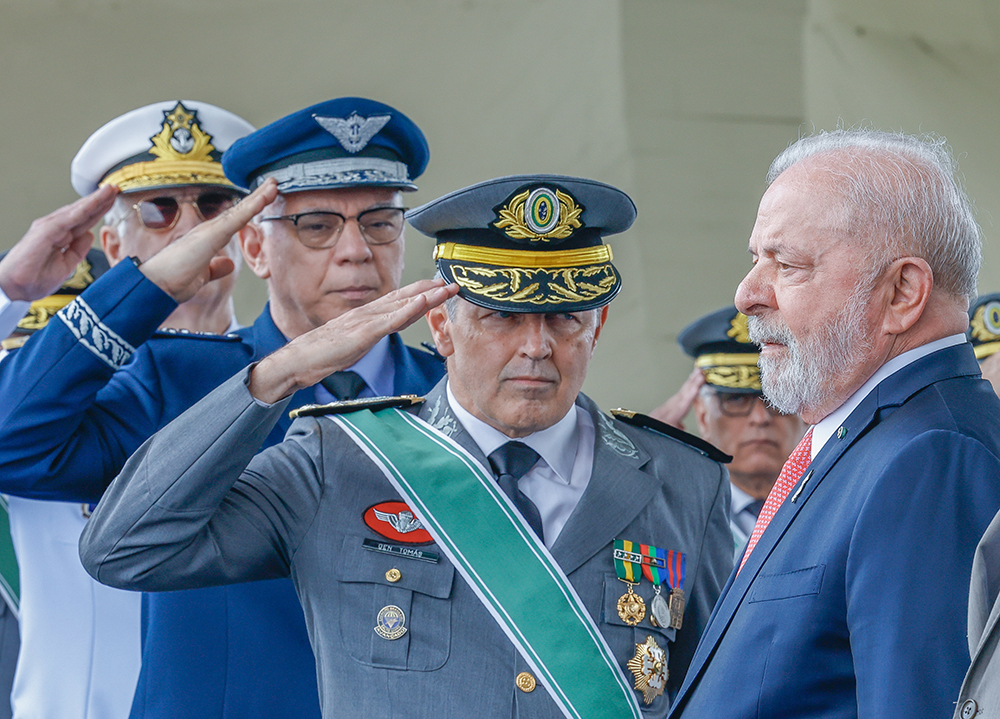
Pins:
x: 525, y: 682
x: 393, y: 575
x: 969, y: 709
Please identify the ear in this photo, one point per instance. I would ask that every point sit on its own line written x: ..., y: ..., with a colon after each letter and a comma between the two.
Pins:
x: 111, y: 243
x: 252, y: 244
x: 440, y: 326
x: 601, y: 319
x: 909, y: 284
x: 701, y: 416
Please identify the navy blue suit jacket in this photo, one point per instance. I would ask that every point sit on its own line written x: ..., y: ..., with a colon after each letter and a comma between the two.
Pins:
x: 69, y: 420
x: 853, y: 602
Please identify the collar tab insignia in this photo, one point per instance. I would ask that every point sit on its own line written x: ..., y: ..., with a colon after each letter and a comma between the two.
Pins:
x: 354, y: 132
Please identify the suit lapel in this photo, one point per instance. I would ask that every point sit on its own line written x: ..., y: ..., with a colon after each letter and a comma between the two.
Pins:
x: 617, y: 492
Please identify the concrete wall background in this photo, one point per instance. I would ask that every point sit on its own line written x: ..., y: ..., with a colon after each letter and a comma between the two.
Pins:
x: 682, y: 103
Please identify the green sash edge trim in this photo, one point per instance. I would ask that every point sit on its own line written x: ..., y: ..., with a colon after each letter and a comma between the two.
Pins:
x: 10, y: 573
x: 395, y: 439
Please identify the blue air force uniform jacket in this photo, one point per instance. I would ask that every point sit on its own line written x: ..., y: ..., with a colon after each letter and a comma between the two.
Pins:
x: 187, y: 511
x: 79, y: 398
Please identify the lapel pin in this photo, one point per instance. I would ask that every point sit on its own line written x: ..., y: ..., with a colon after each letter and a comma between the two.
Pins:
x: 841, y: 432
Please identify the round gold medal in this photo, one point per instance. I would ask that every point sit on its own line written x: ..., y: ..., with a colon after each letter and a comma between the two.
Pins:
x: 631, y: 608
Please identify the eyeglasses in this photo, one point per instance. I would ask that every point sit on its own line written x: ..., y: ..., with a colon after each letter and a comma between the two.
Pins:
x: 321, y: 230
x: 161, y: 213
x: 734, y: 404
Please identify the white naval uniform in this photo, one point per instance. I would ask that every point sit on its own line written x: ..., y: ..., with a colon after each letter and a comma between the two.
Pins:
x: 80, y: 652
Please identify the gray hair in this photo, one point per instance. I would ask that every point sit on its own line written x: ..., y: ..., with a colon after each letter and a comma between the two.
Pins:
x: 901, y: 193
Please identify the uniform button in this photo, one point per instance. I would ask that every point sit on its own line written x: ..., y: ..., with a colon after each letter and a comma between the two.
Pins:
x: 969, y: 709
x: 525, y: 682
x: 393, y: 575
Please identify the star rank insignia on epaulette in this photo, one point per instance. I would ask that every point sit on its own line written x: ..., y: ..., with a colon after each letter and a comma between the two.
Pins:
x: 353, y: 405
x: 646, y: 422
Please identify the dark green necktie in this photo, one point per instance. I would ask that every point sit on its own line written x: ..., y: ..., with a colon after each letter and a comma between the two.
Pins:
x: 510, y: 462
x: 344, y: 385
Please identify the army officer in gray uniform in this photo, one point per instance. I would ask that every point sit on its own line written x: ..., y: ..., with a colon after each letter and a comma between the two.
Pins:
x: 502, y: 546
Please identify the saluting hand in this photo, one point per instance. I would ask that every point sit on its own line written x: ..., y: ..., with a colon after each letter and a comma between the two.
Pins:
x: 53, y: 246
x: 674, y: 410
x: 186, y: 265
x: 344, y: 340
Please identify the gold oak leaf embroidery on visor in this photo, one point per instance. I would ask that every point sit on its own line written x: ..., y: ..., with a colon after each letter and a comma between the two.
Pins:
x: 536, y: 286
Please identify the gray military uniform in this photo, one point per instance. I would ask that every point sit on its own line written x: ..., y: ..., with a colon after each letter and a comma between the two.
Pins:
x: 188, y: 511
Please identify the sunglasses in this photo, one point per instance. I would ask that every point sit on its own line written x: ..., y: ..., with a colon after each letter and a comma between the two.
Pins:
x: 161, y: 213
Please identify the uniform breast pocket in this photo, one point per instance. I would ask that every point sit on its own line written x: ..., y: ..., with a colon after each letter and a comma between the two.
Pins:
x: 622, y: 638
x: 394, y: 612
x: 804, y: 582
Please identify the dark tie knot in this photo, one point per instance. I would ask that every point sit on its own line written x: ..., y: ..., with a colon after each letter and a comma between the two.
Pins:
x: 514, y: 459
x: 345, y: 384
x: 755, y: 506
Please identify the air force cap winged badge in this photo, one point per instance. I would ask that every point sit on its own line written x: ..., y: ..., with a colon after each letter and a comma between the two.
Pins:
x: 353, y: 132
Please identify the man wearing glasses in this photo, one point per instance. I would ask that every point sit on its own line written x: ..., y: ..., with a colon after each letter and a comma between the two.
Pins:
x: 331, y: 240
x: 732, y: 414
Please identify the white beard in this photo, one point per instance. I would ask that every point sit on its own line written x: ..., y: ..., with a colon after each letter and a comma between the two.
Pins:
x: 805, y: 378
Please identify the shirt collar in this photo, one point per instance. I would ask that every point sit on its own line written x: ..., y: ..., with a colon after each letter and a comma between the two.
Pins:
x: 740, y: 499
x: 825, y: 428
x: 556, y: 444
x: 373, y: 368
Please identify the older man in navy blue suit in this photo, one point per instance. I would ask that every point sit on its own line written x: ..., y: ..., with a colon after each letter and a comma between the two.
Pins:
x: 850, y: 597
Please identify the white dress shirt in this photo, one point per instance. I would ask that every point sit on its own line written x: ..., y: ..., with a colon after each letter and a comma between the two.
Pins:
x: 557, y: 481
x: 824, y: 429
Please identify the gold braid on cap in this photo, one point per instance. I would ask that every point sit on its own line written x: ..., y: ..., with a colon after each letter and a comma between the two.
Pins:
x: 523, y: 258
x: 733, y: 371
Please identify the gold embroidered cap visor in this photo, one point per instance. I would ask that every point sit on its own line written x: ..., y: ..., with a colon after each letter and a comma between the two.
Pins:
x: 529, y: 243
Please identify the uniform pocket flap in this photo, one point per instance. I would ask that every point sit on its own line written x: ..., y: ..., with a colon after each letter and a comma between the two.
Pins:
x: 358, y: 564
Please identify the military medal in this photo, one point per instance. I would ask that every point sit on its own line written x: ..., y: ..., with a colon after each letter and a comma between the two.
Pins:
x: 631, y: 608
x: 654, y: 568
x: 676, y: 568
x: 649, y: 666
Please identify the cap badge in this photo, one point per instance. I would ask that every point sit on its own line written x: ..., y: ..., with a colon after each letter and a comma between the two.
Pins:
x: 82, y: 276
x: 541, y: 214
x: 738, y: 329
x: 181, y: 137
x: 355, y: 132
x: 985, y: 323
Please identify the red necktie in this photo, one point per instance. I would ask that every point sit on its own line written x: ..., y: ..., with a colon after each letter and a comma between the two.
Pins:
x: 792, y: 470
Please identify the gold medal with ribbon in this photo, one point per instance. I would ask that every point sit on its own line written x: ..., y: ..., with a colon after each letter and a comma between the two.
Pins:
x: 628, y: 563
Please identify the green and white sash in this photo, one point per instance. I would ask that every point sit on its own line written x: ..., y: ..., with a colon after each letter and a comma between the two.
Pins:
x: 485, y: 537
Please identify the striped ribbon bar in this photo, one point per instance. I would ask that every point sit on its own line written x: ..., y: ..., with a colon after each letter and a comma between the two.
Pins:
x: 501, y: 558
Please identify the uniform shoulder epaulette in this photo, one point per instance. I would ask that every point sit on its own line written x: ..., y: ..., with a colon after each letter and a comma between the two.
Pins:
x: 646, y: 422
x: 169, y: 333
x: 354, y: 405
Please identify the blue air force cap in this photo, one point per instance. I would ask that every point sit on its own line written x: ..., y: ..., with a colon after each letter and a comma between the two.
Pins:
x: 529, y: 243
x: 347, y: 142
x: 722, y: 350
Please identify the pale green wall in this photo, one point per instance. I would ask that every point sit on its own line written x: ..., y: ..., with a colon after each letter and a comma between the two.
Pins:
x: 681, y: 103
